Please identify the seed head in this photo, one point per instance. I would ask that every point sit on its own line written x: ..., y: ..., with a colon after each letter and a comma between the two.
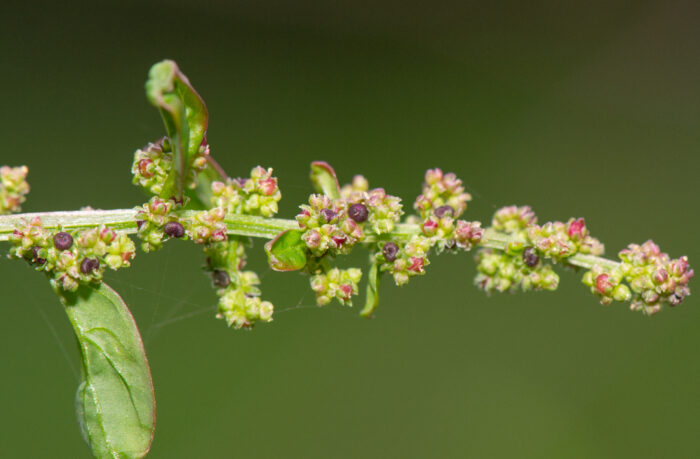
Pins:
x: 63, y: 241
x: 89, y: 265
x: 390, y: 250
x: 530, y: 257
x: 328, y: 214
x: 174, y: 229
x: 220, y: 278
x: 358, y: 212
x: 444, y: 211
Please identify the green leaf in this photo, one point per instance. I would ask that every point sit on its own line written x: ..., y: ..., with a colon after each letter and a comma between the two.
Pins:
x: 185, y: 117
x: 114, y: 402
x: 372, y: 297
x: 287, y: 251
x: 324, y: 179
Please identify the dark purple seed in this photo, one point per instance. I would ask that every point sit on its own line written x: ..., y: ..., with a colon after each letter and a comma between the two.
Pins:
x: 358, y: 212
x: 530, y: 258
x: 328, y: 214
x: 89, y: 265
x: 62, y: 241
x: 220, y: 278
x: 443, y: 211
x: 390, y: 250
x: 174, y: 229
x: 35, y: 256
x: 139, y: 223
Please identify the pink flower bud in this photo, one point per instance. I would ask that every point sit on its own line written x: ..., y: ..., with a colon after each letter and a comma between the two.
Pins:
x: 602, y: 284
x: 268, y: 186
x: 577, y: 228
x: 430, y: 226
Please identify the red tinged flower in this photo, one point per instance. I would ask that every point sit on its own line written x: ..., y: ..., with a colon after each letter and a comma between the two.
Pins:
x: 417, y: 264
x: 603, y: 284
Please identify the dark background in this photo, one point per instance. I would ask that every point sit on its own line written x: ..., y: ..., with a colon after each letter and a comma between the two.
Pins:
x: 576, y: 108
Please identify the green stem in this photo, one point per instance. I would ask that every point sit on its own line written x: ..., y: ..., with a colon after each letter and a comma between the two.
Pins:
x: 124, y: 220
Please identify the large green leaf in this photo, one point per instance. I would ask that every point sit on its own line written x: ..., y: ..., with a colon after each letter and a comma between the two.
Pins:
x: 287, y: 251
x: 324, y: 179
x: 372, y: 297
x: 185, y: 117
x: 115, y: 402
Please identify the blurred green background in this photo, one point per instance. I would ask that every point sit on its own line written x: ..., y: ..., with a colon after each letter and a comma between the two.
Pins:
x: 575, y: 108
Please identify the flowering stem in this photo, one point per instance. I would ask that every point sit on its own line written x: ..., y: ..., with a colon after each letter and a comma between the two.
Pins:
x: 124, y: 220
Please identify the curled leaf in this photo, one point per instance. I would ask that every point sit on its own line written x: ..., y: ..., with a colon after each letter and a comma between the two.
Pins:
x: 324, y: 179
x: 185, y: 116
x: 287, y: 251
x: 114, y: 402
x: 372, y: 297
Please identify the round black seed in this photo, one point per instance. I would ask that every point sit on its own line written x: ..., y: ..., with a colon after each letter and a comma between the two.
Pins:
x: 220, y: 278
x: 89, y: 265
x: 530, y: 258
x: 358, y: 212
x: 444, y: 210
x: 390, y: 250
x: 174, y: 229
x: 62, y: 241
x: 328, y: 214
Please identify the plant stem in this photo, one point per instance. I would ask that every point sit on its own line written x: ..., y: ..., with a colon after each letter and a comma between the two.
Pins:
x: 124, y: 220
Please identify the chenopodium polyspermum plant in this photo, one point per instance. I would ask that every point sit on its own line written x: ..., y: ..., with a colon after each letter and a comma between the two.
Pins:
x: 192, y: 198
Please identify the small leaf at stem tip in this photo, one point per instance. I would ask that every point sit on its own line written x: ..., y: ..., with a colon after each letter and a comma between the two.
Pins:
x: 114, y: 402
x: 185, y: 116
x: 287, y: 251
x: 372, y: 298
x: 324, y: 179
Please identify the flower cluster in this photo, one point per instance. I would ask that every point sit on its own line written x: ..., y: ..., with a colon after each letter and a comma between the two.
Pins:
x: 383, y: 210
x: 654, y: 279
x: 331, y: 225
x: 404, y: 260
x: 561, y: 240
x: 519, y: 265
x: 513, y: 219
x: 441, y: 190
x: 444, y: 233
x: 503, y: 271
x: 70, y: 259
x: 13, y: 188
x: 340, y: 284
x: 206, y: 226
x: 239, y: 297
x: 151, y: 165
x: 257, y: 195
x: 154, y: 162
x: 156, y: 222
